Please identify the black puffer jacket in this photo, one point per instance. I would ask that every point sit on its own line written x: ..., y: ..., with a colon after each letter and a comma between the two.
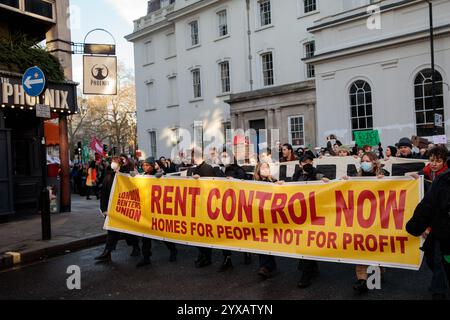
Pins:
x: 434, y: 212
x: 105, y: 191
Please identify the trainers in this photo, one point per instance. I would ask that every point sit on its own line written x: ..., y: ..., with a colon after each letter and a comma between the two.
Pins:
x: 361, y: 286
x: 226, y: 265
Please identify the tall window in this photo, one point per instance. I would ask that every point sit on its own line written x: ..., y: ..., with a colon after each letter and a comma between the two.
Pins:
x: 196, y: 81
x: 150, y: 95
x: 296, y: 131
x: 361, y: 106
x: 173, y: 91
x: 194, y: 33
x: 423, y: 93
x: 149, y: 53
x: 309, y: 5
x: 265, y: 12
x: 198, y: 134
x: 153, y: 143
x: 267, y: 68
x: 227, y: 132
x: 223, y: 23
x: 171, y: 46
x: 310, y: 49
x: 225, y: 76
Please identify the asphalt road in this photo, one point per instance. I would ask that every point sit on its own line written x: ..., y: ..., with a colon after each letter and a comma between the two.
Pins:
x: 173, y: 281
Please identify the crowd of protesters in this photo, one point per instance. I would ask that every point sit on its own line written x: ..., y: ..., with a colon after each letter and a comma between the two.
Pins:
x: 431, y: 219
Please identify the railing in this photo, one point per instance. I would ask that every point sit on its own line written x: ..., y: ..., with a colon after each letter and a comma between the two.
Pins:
x: 153, y: 17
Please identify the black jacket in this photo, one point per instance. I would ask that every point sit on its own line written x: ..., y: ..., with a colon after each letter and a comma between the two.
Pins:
x: 434, y: 211
x: 234, y: 171
x: 205, y: 170
x: 300, y: 175
x: 105, y: 191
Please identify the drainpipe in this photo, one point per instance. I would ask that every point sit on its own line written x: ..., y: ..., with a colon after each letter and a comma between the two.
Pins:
x: 249, y: 33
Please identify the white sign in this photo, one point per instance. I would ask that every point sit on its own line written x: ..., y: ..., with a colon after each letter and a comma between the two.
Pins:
x: 100, y: 75
x: 43, y: 111
x: 438, y: 120
x: 440, y: 139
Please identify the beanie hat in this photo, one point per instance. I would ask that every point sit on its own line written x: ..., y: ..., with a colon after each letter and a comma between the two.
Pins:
x: 405, y: 142
x: 150, y: 160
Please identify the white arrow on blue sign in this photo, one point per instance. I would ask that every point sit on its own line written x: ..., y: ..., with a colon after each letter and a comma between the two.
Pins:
x: 33, y: 81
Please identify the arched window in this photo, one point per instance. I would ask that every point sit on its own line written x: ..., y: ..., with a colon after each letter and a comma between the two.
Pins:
x: 361, y: 106
x: 423, y: 94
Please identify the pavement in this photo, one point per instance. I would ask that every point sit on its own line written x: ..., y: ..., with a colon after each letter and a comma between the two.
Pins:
x: 21, y: 239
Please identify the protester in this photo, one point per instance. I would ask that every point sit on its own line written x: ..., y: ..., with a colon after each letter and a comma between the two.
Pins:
x: 405, y: 147
x: 202, y: 170
x: 307, y: 172
x: 432, y: 216
x: 331, y: 142
x: 370, y: 167
x: 91, y: 180
x: 231, y: 170
x: 390, y: 152
x: 113, y: 237
x: 343, y: 151
x: 267, y: 263
x: 265, y: 156
x: 150, y: 170
x: 288, y: 153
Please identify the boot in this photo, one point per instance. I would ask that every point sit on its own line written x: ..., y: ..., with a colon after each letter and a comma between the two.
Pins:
x: 307, y: 279
x: 144, y: 262
x: 247, y: 258
x: 173, y: 255
x: 226, y: 265
x: 136, y: 251
x: 105, y: 256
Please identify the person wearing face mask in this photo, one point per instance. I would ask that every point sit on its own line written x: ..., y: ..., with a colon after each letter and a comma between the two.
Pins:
x: 202, y: 169
x: 149, y: 167
x: 113, y: 237
x: 231, y: 170
x: 307, y: 172
x: 267, y: 264
x: 370, y: 167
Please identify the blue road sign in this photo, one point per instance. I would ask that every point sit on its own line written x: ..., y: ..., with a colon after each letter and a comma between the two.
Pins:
x: 33, y: 81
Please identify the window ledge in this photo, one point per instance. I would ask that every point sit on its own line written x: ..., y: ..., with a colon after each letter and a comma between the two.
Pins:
x: 196, y: 100
x: 225, y: 94
x: 171, y: 57
x: 148, y: 64
x: 173, y: 106
x: 194, y: 47
x: 304, y: 15
x: 269, y: 26
x: 222, y: 38
x: 151, y: 110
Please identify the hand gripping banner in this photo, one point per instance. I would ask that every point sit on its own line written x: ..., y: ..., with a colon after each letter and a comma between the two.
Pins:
x: 359, y: 221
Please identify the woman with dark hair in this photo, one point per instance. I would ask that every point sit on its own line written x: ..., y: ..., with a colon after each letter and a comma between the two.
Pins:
x: 390, y: 152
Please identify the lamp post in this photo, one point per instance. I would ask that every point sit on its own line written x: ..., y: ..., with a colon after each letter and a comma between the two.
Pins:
x: 433, y: 69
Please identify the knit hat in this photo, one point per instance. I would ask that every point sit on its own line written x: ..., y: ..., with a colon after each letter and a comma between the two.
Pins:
x: 405, y: 142
x: 150, y: 160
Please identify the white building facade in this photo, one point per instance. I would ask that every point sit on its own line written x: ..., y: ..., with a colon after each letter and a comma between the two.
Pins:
x: 373, y: 71
x: 191, y: 56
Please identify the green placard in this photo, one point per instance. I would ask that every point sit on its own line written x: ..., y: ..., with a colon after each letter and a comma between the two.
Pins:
x: 367, y: 138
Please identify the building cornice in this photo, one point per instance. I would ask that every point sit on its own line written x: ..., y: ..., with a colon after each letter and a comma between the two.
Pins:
x: 272, y: 91
x: 378, y: 44
x: 190, y: 9
x: 361, y: 13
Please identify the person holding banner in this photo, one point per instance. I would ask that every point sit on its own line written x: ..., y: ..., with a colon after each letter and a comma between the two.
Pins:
x: 405, y: 149
x: 113, y: 237
x: 150, y: 169
x: 307, y: 172
x: 433, y: 214
x: 231, y: 170
x: 202, y: 170
x: 267, y: 264
x: 431, y: 246
x: 370, y: 167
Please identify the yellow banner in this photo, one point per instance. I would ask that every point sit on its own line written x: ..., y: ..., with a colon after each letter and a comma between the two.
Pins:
x: 359, y: 221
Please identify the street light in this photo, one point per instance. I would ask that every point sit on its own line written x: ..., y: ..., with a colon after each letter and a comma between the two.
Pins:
x: 433, y: 70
